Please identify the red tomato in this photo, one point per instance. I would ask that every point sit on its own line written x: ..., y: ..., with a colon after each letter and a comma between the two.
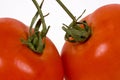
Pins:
x: 99, y: 57
x: 18, y: 62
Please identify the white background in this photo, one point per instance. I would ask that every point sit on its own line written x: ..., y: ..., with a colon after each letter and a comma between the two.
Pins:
x: 24, y: 10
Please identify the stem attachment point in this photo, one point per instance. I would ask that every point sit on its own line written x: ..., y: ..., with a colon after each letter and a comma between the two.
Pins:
x: 76, y: 31
x: 36, y: 38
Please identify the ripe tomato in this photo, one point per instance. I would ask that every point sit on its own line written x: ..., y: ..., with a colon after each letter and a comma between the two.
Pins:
x: 18, y: 62
x: 98, y: 58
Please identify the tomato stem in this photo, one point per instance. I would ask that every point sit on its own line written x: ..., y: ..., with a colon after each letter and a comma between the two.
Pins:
x: 74, y: 32
x: 34, y: 19
x: 67, y: 11
x: 36, y: 38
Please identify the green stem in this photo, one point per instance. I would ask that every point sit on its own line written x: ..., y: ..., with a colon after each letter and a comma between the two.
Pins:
x: 74, y: 32
x: 67, y: 11
x: 41, y: 14
x: 34, y: 19
x: 36, y: 38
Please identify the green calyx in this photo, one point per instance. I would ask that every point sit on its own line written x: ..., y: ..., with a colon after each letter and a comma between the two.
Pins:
x: 36, y: 38
x: 76, y: 31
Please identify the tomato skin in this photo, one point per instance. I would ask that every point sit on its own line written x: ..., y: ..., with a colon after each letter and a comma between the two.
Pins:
x: 99, y: 57
x: 18, y: 62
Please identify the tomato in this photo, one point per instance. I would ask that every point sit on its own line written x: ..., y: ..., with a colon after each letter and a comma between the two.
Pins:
x: 18, y: 62
x: 98, y: 58
x: 26, y: 53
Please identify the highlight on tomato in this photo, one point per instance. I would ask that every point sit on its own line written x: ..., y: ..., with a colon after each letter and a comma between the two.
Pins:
x: 27, y: 53
x: 91, y: 50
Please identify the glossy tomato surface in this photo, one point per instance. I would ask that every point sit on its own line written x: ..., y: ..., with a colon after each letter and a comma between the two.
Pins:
x: 18, y: 62
x: 99, y: 57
